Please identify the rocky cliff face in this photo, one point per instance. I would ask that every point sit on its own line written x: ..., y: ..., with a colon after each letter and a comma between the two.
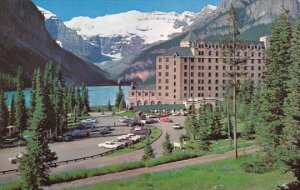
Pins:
x: 69, y: 40
x: 25, y: 43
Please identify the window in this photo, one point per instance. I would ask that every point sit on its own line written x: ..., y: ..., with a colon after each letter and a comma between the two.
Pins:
x: 224, y: 67
x: 217, y: 88
x: 252, y: 74
x: 259, y: 61
x: 185, y: 95
x: 192, y: 81
x: 159, y: 66
x: 192, y: 67
x: 192, y: 60
x: 159, y: 94
x: 167, y: 74
x: 259, y: 54
x: 245, y: 68
x: 192, y: 74
x: 185, y: 88
x: 209, y: 81
x: 185, y: 60
x: 159, y: 87
x: 217, y: 53
x: 209, y: 53
x: 146, y: 93
x: 174, y: 70
x: 159, y: 80
x: 245, y: 54
x: 174, y: 83
x: 174, y: 62
x: 252, y: 54
x: 217, y: 95
x: 217, y: 60
x: 167, y: 66
x: 224, y: 81
x: 209, y: 88
x: 209, y: 67
x: 217, y: 74
x: 167, y: 94
x: 167, y: 87
x: 185, y: 81
x: 192, y: 88
x: 185, y: 74
x: 132, y: 93
x: 209, y: 60
x: 252, y: 60
x: 217, y: 67
x: 185, y: 67
x: 252, y: 68
x: 259, y: 68
x: 209, y: 74
x: 199, y: 88
x: 159, y: 60
x: 167, y: 81
x: 174, y: 76
x: 159, y: 73
x: 167, y: 59
x: 217, y: 81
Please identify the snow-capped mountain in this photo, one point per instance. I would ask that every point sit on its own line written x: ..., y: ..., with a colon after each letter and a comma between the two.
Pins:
x: 70, y: 40
x: 124, y: 35
x: 150, y: 27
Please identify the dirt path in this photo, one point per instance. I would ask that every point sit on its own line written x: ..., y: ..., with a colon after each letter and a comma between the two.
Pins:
x: 164, y: 167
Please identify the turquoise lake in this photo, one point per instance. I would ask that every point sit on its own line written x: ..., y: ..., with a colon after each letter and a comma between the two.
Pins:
x: 98, y: 95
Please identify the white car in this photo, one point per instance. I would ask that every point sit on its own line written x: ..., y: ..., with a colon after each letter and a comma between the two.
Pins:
x: 124, y: 137
x: 135, y: 138
x: 90, y: 120
x: 177, y: 126
x: 111, y: 145
x: 176, y: 114
x: 13, y: 160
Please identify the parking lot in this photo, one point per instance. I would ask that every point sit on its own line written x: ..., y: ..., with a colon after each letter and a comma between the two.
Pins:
x: 89, y: 146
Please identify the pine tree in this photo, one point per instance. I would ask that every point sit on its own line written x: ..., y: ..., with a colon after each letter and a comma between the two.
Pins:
x: 109, y: 108
x: 21, y: 112
x: 122, y: 105
x: 275, y: 87
x: 79, y: 103
x: 191, y: 126
x: 85, y: 99
x: 3, y: 116
x: 12, y: 116
x: 148, y: 151
x: 203, y: 130
x: 216, y: 128
x: 38, y: 153
x: 291, y: 132
x: 32, y: 94
x: 167, y: 146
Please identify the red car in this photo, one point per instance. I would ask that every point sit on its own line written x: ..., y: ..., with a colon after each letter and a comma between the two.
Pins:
x: 166, y: 120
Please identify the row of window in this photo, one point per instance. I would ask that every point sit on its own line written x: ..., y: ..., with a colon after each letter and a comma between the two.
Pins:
x: 140, y: 93
x: 229, y: 46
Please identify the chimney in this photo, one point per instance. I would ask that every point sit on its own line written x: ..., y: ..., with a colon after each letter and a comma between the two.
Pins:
x: 265, y: 40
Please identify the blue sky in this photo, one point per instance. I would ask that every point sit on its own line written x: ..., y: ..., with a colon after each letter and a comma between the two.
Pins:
x: 67, y: 9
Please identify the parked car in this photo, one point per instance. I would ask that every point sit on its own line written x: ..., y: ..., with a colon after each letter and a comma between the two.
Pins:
x: 103, y: 130
x: 123, y: 137
x: 135, y: 138
x: 89, y: 120
x: 176, y: 114
x: 134, y: 123
x: 111, y: 145
x: 76, y: 133
x: 166, y: 120
x: 64, y: 138
x: 14, y: 160
x: 177, y: 126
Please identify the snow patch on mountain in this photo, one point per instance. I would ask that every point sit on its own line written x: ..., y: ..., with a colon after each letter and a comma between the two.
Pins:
x: 47, y: 14
x: 151, y: 27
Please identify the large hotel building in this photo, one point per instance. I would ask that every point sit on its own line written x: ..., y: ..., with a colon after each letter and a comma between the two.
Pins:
x: 197, y: 69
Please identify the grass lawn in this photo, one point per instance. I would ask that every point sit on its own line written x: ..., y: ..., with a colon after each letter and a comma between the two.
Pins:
x: 154, y: 135
x: 222, y: 175
x: 128, y: 114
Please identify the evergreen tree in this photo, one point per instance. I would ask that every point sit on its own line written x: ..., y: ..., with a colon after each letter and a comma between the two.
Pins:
x: 21, y: 112
x: 85, y: 99
x: 3, y: 116
x: 275, y: 87
x: 34, y: 166
x: 32, y: 94
x: 203, y: 131
x: 148, y: 151
x: 122, y: 105
x: 216, y: 128
x: 191, y: 126
x: 79, y: 101
x: 12, y: 116
x: 71, y: 99
x: 291, y: 132
x: 109, y: 108
x: 119, y: 96
x: 167, y: 146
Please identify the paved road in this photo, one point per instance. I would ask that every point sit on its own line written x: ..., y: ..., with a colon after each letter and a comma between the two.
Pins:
x: 136, y: 172
x: 88, y: 147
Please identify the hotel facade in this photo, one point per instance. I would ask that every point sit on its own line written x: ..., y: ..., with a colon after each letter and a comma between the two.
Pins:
x: 198, y: 69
